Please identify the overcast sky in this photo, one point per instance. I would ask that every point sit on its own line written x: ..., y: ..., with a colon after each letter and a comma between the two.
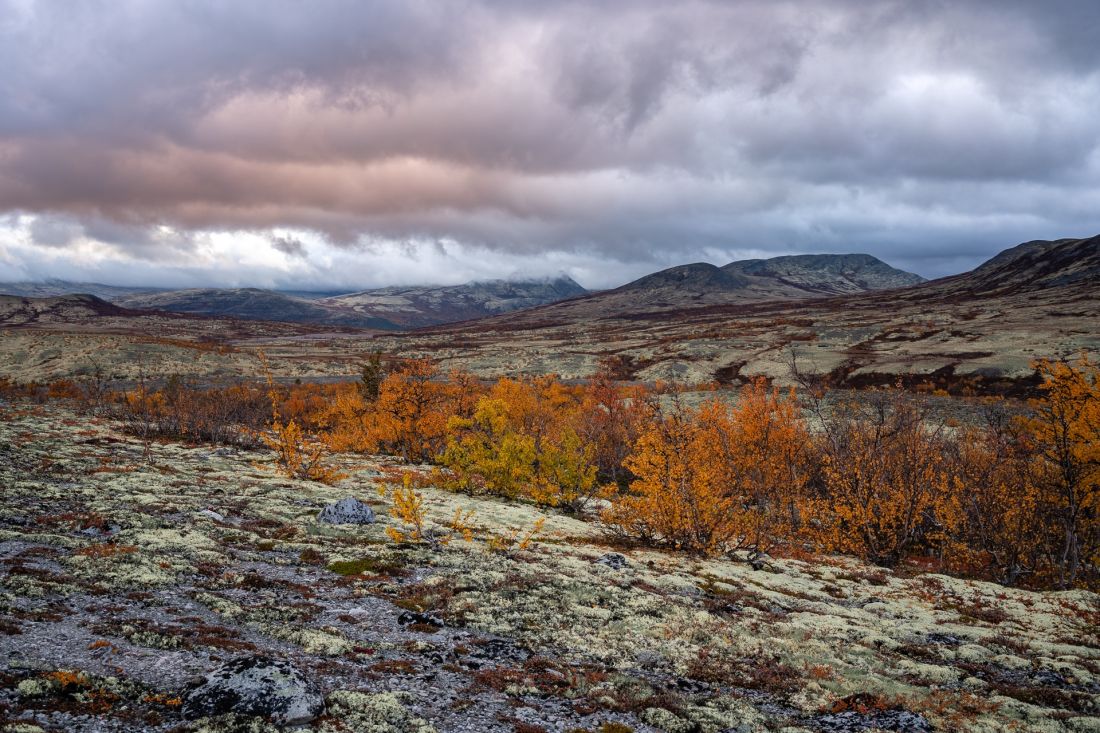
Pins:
x: 343, y: 144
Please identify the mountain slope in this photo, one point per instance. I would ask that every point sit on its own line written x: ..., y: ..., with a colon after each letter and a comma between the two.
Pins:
x: 250, y: 304
x: 1039, y: 264
x: 827, y: 274
x: 698, y: 277
x: 979, y: 330
x: 412, y: 307
x: 53, y: 288
x: 20, y: 311
x: 384, y: 308
x: 698, y: 284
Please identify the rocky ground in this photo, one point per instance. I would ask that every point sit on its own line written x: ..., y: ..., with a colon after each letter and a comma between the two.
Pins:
x: 127, y: 574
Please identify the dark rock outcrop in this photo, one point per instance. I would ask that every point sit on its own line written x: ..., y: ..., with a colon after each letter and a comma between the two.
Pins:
x: 260, y: 686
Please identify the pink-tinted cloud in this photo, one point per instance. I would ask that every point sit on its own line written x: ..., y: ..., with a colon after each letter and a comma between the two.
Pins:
x: 629, y: 131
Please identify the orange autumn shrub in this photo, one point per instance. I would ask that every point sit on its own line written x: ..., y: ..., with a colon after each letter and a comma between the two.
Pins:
x: 611, y: 419
x: 721, y: 478
x: 1065, y: 429
x: 767, y: 446
x: 1003, y: 533
x: 409, y: 416
x: 886, y: 489
x: 678, y: 498
x: 345, y: 421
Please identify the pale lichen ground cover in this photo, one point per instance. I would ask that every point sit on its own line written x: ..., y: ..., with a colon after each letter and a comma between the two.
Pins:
x: 137, y: 574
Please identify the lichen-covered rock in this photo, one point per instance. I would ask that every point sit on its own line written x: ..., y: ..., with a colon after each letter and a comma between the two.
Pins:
x: 425, y: 619
x: 348, y: 510
x: 614, y: 560
x: 260, y: 686
x: 901, y: 721
x: 210, y: 514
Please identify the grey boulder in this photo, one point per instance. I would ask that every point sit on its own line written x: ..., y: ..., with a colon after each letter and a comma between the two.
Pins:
x: 614, y: 560
x: 347, y: 511
x: 260, y: 686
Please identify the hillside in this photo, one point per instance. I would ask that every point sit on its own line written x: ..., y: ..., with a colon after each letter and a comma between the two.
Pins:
x: 251, y: 304
x: 1035, y: 266
x: 54, y: 287
x: 1041, y: 299
x: 130, y: 571
x: 64, y: 309
x: 828, y: 274
x: 412, y: 307
x: 746, y: 281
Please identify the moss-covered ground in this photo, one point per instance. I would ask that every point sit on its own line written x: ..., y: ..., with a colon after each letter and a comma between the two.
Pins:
x: 126, y: 572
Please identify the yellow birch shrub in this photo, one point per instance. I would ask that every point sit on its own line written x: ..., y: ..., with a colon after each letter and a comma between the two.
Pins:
x: 521, y: 442
x: 296, y: 456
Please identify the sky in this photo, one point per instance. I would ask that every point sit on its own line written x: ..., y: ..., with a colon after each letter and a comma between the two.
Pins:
x: 339, y: 144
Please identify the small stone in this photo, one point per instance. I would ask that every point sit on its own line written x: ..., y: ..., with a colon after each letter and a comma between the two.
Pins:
x: 210, y: 514
x: 347, y: 511
x: 257, y: 685
x: 614, y: 560
x: 412, y: 617
x: 944, y: 639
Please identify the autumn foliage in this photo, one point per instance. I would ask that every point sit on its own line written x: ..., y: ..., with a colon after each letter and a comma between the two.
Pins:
x: 885, y: 487
x: 1015, y: 499
x: 1012, y: 496
x: 719, y: 478
x: 524, y: 440
x: 408, y: 416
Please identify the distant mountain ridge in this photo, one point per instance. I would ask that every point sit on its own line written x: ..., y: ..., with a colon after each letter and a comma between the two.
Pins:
x: 776, y: 278
x: 250, y: 304
x: 54, y: 287
x: 829, y: 273
x: 390, y: 308
x: 698, y: 277
x: 405, y: 307
x: 413, y: 307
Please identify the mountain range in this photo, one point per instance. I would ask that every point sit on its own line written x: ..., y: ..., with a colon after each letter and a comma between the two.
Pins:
x: 396, y: 308
x: 980, y: 330
x: 698, y: 323
x: 389, y: 308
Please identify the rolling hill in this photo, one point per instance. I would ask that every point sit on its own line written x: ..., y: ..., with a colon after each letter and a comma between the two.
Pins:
x: 412, y: 307
x: 1041, y: 299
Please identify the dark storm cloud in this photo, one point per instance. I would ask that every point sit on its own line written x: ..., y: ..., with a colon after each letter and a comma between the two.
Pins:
x: 289, y: 246
x: 930, y: 133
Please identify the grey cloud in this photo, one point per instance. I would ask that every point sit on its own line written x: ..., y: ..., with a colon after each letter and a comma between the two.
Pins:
x: 638, y: 131
x: 289, y: 246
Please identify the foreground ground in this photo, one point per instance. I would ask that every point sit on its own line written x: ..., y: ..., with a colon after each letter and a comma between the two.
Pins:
x: 125, y: 575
